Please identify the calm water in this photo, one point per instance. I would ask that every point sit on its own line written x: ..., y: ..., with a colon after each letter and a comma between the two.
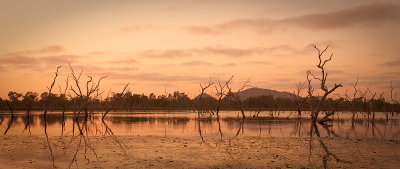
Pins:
x: 187, y: 124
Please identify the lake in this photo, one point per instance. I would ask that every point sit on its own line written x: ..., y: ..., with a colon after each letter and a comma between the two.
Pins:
x: 187, y: 124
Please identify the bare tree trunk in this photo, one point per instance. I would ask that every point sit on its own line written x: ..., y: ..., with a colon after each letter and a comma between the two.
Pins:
x: 322, y: 79
x: 49, y: 94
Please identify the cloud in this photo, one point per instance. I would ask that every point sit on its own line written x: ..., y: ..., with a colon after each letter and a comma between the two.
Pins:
x: 124, y: 61
x: 59, y: 59
x: 36, y: 63
x: 390, y: 63
x: 43, y: 50
x: 371, y: 15
x: 152, y: 77
x: 206, y: 51
x: 123, y: 68
x: 229, y: 64
x: 18, y: 60
x: 259, y: 62
x: 137, y: 28
x: 196, y: 63
x: 335, y: 72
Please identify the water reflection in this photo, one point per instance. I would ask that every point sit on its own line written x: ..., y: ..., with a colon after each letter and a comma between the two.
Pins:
x: 327, y: 153
x: 189, y: 124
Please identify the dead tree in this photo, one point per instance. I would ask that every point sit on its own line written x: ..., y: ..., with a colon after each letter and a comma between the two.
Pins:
x: 91, y: 87
x: 29, y: 98
x: 45, y: 113
x: 322, y: 79
x: 382, y: 99
x: 112, y: 102
x: 221, y: 92
x: 371, y: 103
x: 296, y: 96
x: 63, y: 103
x: 354, y: 97
x: 49, y: 94
x: 201, y: 101
x: 364, y: 97
x: 11, y: 117
x: 393, y: 98
x: 310, y: 91
x: 236, y: 97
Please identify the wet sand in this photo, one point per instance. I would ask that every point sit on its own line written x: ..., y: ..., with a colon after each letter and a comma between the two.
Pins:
x: 192, y: 152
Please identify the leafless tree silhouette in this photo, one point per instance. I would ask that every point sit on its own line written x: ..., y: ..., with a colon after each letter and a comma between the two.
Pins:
x: 49, y: 93
x: 201, y: 108
x: 296, y: 96
x: 236, y: 97
x: 45, y: 117
x: 322, y: 79
x: 221, y: 92
x: 112, y: 102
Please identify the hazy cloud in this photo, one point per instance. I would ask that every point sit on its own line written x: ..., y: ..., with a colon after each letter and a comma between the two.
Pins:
x: 124, y: 61
x: 137, y: 28
x: 259, y: 62
x: 374, y: 14
x: 229, y: 64
x: 18, y: 60
x: 390, y: 63
x: 165, y: 53
x: 36, y: 63
x: 43, y: 50
x: 221, y: 51
x: 59, y: 59
x: 196, y: 63
x: 153, y: 77
x: 123, y: 68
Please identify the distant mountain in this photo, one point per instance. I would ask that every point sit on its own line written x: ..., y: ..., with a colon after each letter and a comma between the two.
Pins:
x: 255, y: 92
x: 205, y: 96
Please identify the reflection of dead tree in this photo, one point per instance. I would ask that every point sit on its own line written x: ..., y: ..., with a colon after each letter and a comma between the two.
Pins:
x: 236, y: 97
x: 202, y: 110
x: 110, y: 133
x: 199, y: 129
x: 324, y: 147
x: 219, y: 127
x: 221, y: 93
x: 296, y: 96
x: 241, y: 127
x: 28, y: 100
x: 48, y: 142
x: 297, y: 128
x: 82, y: 130
x: 112, y: 102
x: 322, y: 79
x: 11, y: 117
x: 27, y: 121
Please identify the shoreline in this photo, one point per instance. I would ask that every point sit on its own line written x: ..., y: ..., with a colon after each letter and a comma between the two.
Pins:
x: 192, y: 152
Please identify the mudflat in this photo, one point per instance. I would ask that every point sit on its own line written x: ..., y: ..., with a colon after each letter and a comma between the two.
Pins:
x: 193, y: 152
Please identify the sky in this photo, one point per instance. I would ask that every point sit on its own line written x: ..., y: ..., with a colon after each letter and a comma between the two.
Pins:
x: 169, y: 45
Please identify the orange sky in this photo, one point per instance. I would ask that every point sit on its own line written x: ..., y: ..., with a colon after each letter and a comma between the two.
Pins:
x: 184, y: 43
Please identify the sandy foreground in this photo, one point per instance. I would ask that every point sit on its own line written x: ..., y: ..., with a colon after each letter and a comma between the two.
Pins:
x: 172, y: 152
